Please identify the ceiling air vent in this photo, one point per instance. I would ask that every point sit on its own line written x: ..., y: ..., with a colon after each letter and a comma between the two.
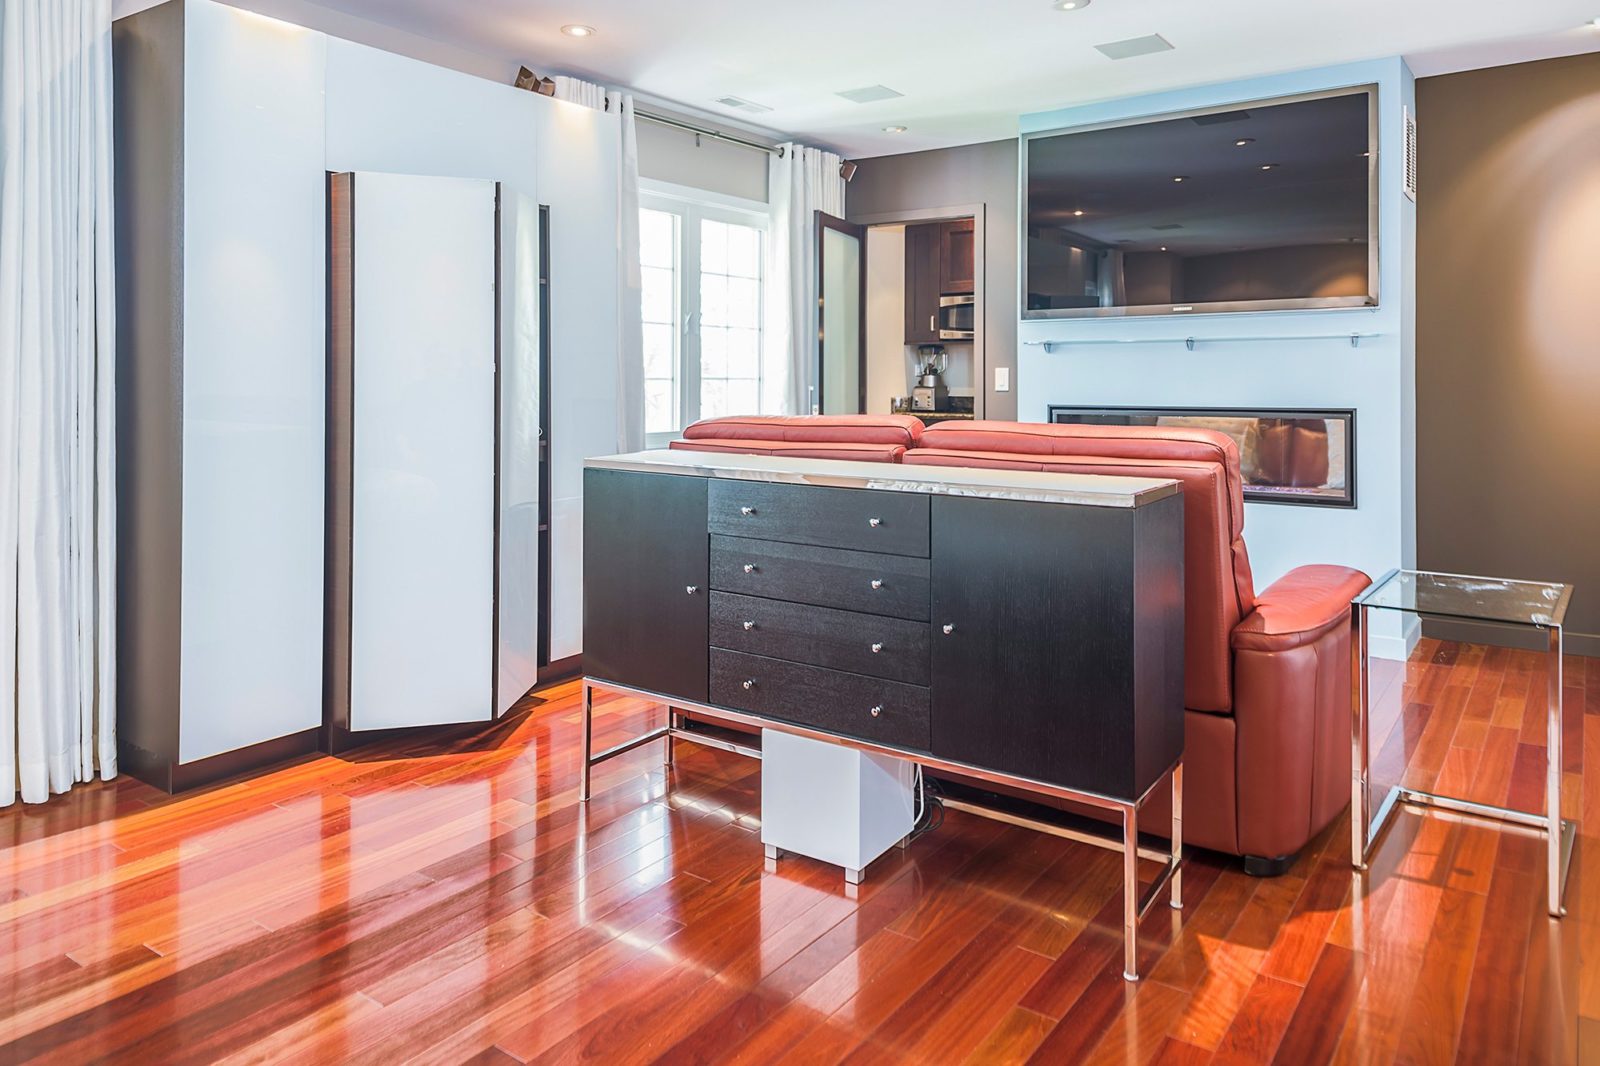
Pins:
x: 738, y: 103
x: 1135, y: 46
x: 870, y: 94
x: 1411, y: 156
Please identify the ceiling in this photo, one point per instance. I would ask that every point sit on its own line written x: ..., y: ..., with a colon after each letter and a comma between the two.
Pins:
x: 966, y: 70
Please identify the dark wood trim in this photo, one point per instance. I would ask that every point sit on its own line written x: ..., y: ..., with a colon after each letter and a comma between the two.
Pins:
x: 173, y: 777
x: 544, y: 436
x: 340, y: 438
x: 559, y: 671
x: 494, y: 564
x: 826, y: 222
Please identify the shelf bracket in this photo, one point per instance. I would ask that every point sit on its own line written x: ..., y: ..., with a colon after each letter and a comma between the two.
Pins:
x: 1188, y: 342
x: 1355, y: 340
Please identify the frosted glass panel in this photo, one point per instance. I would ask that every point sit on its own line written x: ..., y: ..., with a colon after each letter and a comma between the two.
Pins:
x: 422, y: 542
x: 254, y: 370
x: 841, y: 323
x: 519, y: 452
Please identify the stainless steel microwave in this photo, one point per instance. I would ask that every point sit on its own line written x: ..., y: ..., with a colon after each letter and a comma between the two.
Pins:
x: 956, y: 317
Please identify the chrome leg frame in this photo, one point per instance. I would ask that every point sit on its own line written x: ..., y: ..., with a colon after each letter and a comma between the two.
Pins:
x: 1135, y: 905
x: 588, y: 741
x: 1558, y: 833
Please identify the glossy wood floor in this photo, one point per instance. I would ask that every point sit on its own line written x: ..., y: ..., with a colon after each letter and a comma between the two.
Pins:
x: 453, y: 902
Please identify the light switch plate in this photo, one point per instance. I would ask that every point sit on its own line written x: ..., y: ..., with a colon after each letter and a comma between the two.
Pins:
x: 1002, y: 379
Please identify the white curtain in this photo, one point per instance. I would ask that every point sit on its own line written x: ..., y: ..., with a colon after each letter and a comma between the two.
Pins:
x: 57, y: 504
x: 800, y: 182
x: 630, y: 327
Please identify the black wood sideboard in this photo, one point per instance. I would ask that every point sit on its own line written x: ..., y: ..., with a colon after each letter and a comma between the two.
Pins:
x: 1019, y: 628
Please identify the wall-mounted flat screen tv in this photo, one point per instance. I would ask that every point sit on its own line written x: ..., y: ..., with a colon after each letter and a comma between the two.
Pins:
x: 1269, y: 206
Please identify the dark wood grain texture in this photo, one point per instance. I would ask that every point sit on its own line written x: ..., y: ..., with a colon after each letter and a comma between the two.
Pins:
x: 871, y: 708
x: 890, y: 648
x: 1003, y: 572
x: 822, y: 577
x: 892, y: 523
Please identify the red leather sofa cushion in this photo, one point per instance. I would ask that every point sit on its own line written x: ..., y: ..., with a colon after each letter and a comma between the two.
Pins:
x: 861, y: 453
x: 1299, y: 607
x: 902, y: 430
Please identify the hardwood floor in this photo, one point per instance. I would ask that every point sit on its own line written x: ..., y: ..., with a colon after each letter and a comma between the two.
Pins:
x: 451, y: 901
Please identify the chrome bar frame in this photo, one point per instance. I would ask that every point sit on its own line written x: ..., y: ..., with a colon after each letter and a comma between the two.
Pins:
x: 1134, y: 904
x: 1365, y: 828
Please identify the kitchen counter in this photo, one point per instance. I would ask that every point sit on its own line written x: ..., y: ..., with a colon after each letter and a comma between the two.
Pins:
x: 1095, y: 490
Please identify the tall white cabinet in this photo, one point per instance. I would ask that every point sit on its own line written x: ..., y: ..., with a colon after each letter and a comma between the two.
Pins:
x: 227, y: 126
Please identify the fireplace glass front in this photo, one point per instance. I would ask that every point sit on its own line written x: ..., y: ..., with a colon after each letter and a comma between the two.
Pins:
x: 1304, y: 456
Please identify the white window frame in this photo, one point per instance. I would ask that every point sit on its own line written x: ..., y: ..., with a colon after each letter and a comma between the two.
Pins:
x: 691, y: 205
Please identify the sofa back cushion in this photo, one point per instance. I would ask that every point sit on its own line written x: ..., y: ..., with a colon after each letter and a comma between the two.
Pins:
x: 902, y: 430
x: 796, y: 449
x: 1219, y: 590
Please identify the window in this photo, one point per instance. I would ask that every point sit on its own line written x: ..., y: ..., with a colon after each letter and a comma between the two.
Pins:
x: 701, y: 276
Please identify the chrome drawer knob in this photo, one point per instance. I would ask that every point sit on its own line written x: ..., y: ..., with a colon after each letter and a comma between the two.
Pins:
x: 747, y: 511
x: 749, y: 683
x: 749, y: 625
x: 948, y: 629
x: 876, y: 647
x: 877, y: 583
x: 691, y: 589
x: 749, y: 568
x: 874, y: 522
x: 877, y: 710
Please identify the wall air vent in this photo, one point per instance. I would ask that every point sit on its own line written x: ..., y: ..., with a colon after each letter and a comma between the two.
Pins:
x: 1135, y: 46
x: 739, y: 103
x: 1411, y: 156
x: 870, y: 94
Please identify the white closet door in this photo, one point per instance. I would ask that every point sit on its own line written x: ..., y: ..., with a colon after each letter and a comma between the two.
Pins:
x: 422, y: 541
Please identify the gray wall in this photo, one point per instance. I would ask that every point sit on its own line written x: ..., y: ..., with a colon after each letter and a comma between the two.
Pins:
x: 1508, y: 375
x: 951, y: 177
x: 668, y: 154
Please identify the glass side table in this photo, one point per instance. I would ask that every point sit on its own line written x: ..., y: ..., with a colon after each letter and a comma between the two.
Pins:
x: 1490, y: 600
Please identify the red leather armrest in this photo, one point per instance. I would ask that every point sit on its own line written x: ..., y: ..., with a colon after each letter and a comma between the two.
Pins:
x: 1299, y: 607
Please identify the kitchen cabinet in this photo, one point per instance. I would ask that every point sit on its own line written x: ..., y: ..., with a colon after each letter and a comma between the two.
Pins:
x: 922, y: 283
x: 956, y: 273
x: 939, y: 261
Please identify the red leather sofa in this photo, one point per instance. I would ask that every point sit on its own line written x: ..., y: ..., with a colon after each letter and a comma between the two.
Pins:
x: 1267, y: 675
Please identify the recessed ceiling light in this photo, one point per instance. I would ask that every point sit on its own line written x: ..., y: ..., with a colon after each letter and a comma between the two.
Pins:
x: 894, y: 129
x: 578, y: 30
x: 1163, y: 247
x: 1078, y: 213
x: 1071, y: 5
x: 1269, y: 166
x: 1595, y: 22
x: 1181, y: 177
x: 1242, y: 141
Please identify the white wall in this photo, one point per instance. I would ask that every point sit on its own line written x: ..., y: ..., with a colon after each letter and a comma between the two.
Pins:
x: 1376, y: 379
x: 681, y: 158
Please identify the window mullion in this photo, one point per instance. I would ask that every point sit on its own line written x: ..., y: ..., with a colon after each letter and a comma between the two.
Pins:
x: 689, y: 288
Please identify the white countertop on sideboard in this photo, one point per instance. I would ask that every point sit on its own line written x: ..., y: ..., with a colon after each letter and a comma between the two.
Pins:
x: 1094, y: 490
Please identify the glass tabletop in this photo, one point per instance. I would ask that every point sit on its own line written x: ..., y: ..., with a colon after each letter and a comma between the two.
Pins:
x: 1483, y: 599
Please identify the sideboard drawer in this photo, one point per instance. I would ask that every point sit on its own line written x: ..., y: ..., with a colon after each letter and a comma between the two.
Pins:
x: 895, y: 523
x: 869, y: 644
x: 885, y: 712
x: 892, y: 585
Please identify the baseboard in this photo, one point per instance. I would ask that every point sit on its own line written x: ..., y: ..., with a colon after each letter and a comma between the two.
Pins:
x: 174, y: 777
x: 560, y: 670
x: 1524, y: 637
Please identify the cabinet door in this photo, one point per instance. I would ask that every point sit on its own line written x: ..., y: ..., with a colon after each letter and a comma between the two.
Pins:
x: 956, y: 257
x: 645, y: 596
x: 922, y: 284
x: 1035, y: 676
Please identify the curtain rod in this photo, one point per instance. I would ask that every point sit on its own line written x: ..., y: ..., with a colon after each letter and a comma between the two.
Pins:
x: 701, y: 131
